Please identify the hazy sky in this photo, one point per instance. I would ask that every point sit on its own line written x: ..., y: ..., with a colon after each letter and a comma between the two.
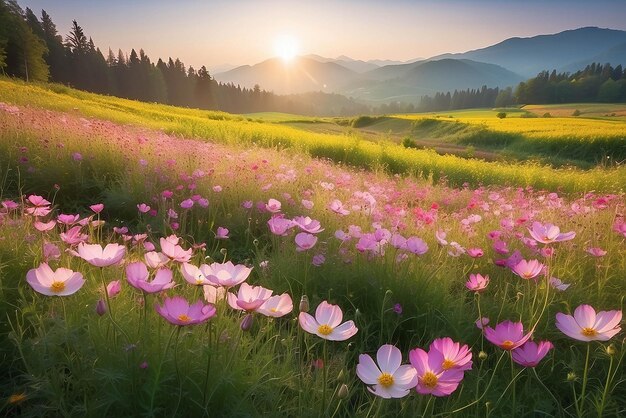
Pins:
x: 245, y: 31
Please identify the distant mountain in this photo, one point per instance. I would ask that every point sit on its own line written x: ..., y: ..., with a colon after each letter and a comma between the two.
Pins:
x: 357, y: 66
x: 408, y: 82
x: 528, y: 56
x: 220, y: 68
x: 615, y: 56
x: 382, y: 63
x: 299, y: 75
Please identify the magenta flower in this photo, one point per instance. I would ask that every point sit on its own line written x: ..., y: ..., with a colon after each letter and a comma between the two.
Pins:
x: 227, y: 274
x: 432, y: 379
x: 73, y: 236
x: 454, y: 355
x: 528, y: 269
x: 248, y: 298
x: 276, y: 306
x: 416, y: 245
x: 143, y: 208
x: 312, y: 226
x: 222, y: 233
x: 337, y: 207
x: 305, y: 241
x: 62, y: 282
x: 45, y: 226
x: 327, y: 323
x: 390, y: 379
x: 114, y: 288
x: 170, y: 247
x: 587, y: 325
x: 477, y: 283
x: 507, y: 335
x: 97, y: 256
x: 596, y: 252
x: 273, y: 206
x: 137, y: 276
x: 187, y: 204
x: 177, y: 311
x: 40, y: 206
x: 531, y: 353
x: 279, y: 225
x: 548, y: 233
x: 68, y: 219
x: 97, y: 208
x: 475, y: 252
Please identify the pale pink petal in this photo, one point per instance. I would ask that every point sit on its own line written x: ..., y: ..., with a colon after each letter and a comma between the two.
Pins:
x: 388, y: 358
x: 367, y: 370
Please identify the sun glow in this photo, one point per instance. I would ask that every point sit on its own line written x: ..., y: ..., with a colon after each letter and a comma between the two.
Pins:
x: 286, y: 47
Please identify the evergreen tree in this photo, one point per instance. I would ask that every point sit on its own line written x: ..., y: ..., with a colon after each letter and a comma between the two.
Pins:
x: 55, y: 57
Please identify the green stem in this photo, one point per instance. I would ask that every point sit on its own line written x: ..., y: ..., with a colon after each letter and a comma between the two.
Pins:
x: 208, y: 363
x: 324, y: 377
x: 513, y: 382
x: 427, y: 409
x: 605, y: 394
x: 158, y: 375
x: 582, y: 392
x: 556, y: 402
x: 108, y: 301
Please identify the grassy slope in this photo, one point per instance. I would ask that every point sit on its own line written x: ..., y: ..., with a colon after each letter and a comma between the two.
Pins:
x: 228, y: 128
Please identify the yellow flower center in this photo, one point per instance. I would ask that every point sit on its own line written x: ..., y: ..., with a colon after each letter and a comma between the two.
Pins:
x: 57, y: 287
x: 429, y: 380
x: 324, y: 329
x: 507, y: 345
x: 199, y: 281
x: 589, y: 332
x: 183, y: 318
x: 273, y: 310
x: 385, y: 380
x: 448, y: 364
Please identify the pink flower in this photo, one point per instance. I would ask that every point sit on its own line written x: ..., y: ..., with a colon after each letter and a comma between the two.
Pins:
x: 279, y: 225
x: 440, y: 236
x: 143, y: 208
x: 227, y: 274
x: 73, y: 236
x: 45, y: 226
x: 137, y: 276
x: 528, y: 269
x: 327, y: 323
x: 62, y: 282
x: 40, y: 206
x: 214, y: 293
x: 500, y: 247
x: 475, y: 252
x: 454, y: 355
x: 10, y: 205
x: 391, y: 380
x: 248, y: 298
x: 187, y: 204
x: 477, y: 283
x: 68, y: 219
x: 194, y: 275
x: 273, y: 206
x: 154, y: 259
x: 222, y: 233
x: 337, y: 207
x: 507, y: 335
x: 318, y: 260
x: 596, y: 252
x: 51, y: 251
x: 114, y: 288
x: 97, y: 208
x: 305, y: 241
x: 558, y: 284
x: 398, y: 241
x: 548, y: 233
x: 481, y: 322
x: 203, y: 202
x: 170, y: 247
x: 416, y: 245
x: 307, y: 224
x: 177, y: 311
x: 587, y: 325
x: 431, y: 377
x: 531, y: 353
x: 276, y: 306
x: 97, y: 256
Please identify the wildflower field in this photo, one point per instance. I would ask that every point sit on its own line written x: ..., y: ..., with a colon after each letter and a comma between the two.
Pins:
x: 157, y: 261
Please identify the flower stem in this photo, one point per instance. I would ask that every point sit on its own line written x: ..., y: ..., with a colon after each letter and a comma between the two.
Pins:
x: 582, y: 392
x: 605, y: 394
x: 324, y: 378
x: 158, y: 375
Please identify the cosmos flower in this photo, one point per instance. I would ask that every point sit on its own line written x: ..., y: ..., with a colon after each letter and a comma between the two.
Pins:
x: 327, y: 323
x: 549, y: 233
x: 177, y: 311
x: 389, y: 379
x: 587, y: 325
x: 507, y: 335
x: 62, y: 282
x: 531, y: 353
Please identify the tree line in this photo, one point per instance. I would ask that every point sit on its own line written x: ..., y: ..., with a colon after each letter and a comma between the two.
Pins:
x: 32, y: 49
x: 595, y: 83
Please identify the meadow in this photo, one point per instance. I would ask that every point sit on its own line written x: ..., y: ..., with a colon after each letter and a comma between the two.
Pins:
x: 465, y: 272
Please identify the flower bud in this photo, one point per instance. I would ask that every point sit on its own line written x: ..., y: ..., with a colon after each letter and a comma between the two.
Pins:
x: 611, y: 350
x: 342, y: 393
x: 304, y: 304
x: 101, y: 307
x: 246, y: 322
x: 482, y: 355
x: 571, y: 376
x: 223, y: 251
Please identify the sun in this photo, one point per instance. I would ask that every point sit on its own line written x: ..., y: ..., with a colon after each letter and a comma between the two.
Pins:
x: 286, y: 47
